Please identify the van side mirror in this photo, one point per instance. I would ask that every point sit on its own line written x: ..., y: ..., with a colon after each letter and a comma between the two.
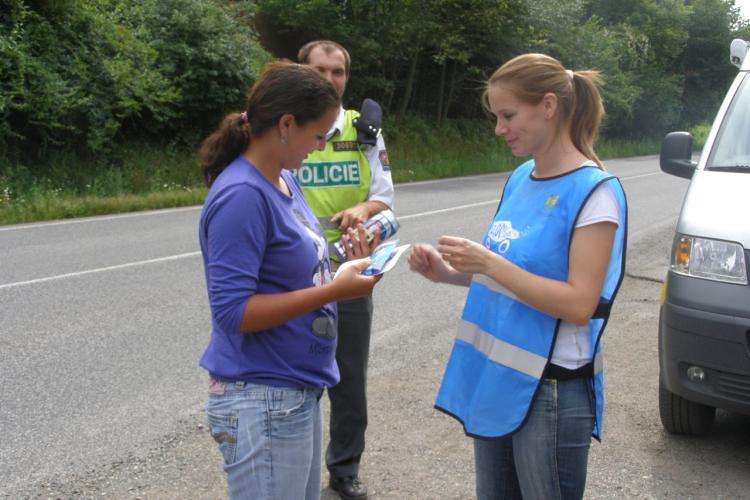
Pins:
x: 676, y: 154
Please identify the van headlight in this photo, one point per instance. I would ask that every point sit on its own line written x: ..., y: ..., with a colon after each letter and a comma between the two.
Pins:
x: 709, y: 259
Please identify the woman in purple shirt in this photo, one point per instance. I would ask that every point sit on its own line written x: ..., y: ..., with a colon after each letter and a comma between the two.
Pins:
x: 272, y: 297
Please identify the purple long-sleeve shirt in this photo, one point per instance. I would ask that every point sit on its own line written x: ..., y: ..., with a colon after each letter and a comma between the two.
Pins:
x: 255, y: 239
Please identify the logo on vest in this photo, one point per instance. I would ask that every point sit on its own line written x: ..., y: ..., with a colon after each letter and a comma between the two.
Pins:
x: 328, y: 174
x: 500, y: 235
x: 551, y: 201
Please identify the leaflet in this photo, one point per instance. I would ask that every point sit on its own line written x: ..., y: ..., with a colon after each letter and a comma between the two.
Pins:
x: 383, y: 259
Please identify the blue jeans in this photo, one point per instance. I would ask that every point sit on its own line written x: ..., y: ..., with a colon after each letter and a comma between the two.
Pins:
x: 547, y: 457
x: 270, y: 438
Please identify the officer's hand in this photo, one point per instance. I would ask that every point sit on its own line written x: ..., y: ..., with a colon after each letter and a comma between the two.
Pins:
x: 350, y: 217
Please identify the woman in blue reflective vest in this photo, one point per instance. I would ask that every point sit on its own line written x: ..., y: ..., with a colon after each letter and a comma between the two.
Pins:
x: 525, y: 376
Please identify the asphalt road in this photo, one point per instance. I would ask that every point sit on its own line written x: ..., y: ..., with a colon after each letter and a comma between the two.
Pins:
x: 102, y: 321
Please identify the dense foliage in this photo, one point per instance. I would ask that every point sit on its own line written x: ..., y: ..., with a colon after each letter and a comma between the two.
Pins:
x: 665, y: 61
x: 89, y: 77
x: 82, y: 75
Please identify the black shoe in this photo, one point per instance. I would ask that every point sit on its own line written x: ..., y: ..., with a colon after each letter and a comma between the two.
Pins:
x: 348, y: 488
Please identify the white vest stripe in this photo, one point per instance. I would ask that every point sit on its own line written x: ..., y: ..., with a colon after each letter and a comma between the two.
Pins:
x: 501, y: 352
x: 493, y: 285
x: 598, y: 363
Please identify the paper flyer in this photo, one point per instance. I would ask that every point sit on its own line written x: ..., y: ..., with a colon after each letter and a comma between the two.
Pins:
x: 383, y: 259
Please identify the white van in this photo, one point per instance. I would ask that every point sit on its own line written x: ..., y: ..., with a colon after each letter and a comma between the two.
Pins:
x: 704, y: 321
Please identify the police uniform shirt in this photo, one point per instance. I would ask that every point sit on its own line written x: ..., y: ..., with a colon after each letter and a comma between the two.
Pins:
x: 381, y: 184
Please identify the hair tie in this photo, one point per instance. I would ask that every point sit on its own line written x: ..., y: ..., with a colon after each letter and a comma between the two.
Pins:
x: 570, y: 73
x: 243, y: 117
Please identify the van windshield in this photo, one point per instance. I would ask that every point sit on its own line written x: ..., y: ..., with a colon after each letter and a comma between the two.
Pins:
x: 731, y: 149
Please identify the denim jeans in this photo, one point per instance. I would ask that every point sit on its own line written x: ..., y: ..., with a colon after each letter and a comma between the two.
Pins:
x: 547, y: 457
x: 270, y: 438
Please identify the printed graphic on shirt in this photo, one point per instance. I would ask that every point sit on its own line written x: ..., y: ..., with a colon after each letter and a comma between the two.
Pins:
x: 500, y: 235
x: 383, y: 155
x: 323, y: 326
x: 321, y: 272
x: 328, y: 174
x: 344, y: 145
x: 551, y: 201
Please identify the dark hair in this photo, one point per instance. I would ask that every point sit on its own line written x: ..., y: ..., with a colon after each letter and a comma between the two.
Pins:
x: 283, y: 88
x: 531, y: 76
x: 328, y: 46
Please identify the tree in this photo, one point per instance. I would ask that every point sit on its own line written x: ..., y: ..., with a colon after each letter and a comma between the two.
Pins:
x: 705, y: 60
x: 80, y: 76
x: 482, y: 34
x: 412, y: 55
x: 657, y: 30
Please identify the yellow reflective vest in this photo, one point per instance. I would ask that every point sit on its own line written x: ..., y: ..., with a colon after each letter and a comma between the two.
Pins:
x: 336, y: 178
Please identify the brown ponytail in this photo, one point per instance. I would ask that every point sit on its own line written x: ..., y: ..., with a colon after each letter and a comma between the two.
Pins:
x: 283, y: 88
x: 225, y: 144
x: 579, y: 100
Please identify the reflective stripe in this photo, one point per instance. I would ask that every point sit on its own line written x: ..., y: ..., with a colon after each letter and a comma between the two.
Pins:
x: 502, y: 352
x: 493, y: 285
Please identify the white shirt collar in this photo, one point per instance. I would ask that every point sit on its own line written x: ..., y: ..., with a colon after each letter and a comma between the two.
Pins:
x: 338, y: 125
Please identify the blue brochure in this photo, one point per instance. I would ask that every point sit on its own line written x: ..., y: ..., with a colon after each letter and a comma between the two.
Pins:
x: 382, y: 259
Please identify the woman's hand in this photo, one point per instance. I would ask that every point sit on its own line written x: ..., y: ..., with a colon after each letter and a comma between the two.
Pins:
x: 355, y: 243
x: 464, y: 255
x: 350, y: 284
x: 266, y: 310
x: 425, y: 260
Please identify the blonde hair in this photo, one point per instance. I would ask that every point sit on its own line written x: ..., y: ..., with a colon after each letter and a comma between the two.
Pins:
x: 531, y: 76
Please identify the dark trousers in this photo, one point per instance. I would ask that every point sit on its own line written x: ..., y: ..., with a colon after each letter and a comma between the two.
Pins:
x: 349, y: 397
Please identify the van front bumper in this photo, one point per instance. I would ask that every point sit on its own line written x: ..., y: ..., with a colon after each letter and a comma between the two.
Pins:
x: 706, y: 324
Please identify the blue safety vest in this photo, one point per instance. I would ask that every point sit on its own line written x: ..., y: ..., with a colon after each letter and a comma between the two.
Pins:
x: 503, y: 345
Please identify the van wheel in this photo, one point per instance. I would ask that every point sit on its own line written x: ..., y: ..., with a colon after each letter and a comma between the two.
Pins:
x: 680, y: 416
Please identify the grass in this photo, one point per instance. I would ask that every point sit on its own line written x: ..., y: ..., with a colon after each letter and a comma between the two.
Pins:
x: 463, y: 148
x: 39, y: 208
x: 143, y: 177
x: 608, y: 148
x: 700, y: 134
x: 470, y: 147
x: 146, y: 176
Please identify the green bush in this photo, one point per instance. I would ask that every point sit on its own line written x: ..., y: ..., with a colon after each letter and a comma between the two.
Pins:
x: 419, y: 151
x: 700, y: 134
x: 75, y: 79
x: 80, y: 76
x: 205, y: 49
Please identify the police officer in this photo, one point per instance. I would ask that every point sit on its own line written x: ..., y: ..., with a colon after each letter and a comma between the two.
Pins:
x: 346, y: 184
